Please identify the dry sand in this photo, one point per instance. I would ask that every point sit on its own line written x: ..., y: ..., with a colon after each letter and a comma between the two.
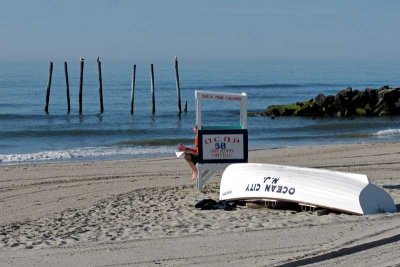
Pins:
x: 141, y: 213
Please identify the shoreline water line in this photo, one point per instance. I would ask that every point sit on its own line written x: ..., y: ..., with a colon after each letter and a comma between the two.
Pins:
x: 111, y: 153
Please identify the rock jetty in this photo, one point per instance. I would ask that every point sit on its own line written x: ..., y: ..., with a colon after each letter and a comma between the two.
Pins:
x: 384, y: 101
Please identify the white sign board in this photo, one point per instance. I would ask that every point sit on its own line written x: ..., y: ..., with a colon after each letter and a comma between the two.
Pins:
x: 223, y: 146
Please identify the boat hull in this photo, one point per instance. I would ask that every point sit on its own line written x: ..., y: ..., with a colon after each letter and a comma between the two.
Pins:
x: 346, y: 192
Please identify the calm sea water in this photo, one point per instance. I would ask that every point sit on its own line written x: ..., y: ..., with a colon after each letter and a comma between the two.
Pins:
x: 28, y: 134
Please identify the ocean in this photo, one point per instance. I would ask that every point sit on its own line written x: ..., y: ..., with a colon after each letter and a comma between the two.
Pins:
x: 29, y: 135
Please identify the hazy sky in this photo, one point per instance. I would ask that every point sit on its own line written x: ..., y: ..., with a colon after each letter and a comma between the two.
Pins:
x: 206, y: 30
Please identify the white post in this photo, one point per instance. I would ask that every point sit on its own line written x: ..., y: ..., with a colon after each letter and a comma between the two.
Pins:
x: 198, y: 110
x: 243, y: 111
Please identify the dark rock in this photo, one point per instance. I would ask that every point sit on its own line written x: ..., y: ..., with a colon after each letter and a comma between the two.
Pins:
x: 382, y: 93
x: 346, y: 103
x: 346, y: 94
x: 320, y: 100
x: 361, y: 112
x: 384, y: 87
x: 371, y: 96
x: 368, y: 110
x: 275, y: 110
x: 397, y: 104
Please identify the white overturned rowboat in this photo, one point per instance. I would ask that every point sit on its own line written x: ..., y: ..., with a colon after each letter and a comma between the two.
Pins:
x: 346, y: 192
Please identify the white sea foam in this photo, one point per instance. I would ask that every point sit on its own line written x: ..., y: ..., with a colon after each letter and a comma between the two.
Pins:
x: 88, y: 152
x: 388, y: 132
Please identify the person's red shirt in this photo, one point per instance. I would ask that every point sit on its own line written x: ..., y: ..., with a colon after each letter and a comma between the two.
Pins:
x: 196, y: 145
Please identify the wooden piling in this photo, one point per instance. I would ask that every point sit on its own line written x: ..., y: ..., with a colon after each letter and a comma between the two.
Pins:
x: 81, y: 86
x: 133, y: 88
x: 153, y: 100
x: 185, y: 106
x: 46, y: 108
x: 178, y: 89
x: 67, y: 84
x: 100, y: 87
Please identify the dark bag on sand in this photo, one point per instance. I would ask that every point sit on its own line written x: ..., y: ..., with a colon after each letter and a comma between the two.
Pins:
x: 205, y: 204
x: 210, y: 204
x: 226, y: 205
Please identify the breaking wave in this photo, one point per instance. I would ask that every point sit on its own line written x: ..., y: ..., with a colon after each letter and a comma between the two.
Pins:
x: 388, y: 132
x: 88, y: 153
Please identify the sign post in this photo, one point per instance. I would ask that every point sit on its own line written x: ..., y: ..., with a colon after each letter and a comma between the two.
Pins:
x: 220, y: 146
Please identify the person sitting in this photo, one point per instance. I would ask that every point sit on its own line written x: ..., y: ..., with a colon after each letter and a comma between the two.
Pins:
x: 191, y: 154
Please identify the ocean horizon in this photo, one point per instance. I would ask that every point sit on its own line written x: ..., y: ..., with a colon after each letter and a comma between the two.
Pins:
x: 29, y: 135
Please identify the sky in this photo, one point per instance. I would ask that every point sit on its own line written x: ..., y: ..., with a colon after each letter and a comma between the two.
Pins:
x: 207, y: 30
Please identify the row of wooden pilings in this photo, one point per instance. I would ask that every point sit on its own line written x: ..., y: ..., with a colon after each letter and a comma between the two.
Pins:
x: 82, y: 64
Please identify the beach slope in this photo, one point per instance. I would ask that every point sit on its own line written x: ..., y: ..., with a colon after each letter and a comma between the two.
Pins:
x: 141, y: 212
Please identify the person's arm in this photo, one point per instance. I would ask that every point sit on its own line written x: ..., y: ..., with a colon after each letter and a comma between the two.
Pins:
x: 190, y: 150
x: 182, y: 147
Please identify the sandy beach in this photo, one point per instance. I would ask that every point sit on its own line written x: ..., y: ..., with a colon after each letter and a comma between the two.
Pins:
x: 141, y: 213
